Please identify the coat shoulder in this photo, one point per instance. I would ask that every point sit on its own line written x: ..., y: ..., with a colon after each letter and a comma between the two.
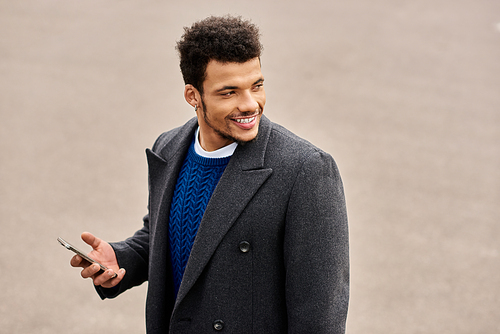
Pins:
x: 287, y: 145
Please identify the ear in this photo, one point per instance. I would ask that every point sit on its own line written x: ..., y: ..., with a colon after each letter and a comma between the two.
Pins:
x: 192, y: 96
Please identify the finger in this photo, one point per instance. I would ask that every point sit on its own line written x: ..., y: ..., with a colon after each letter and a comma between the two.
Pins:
x: 90, y: 271
x: 109, y: 278
x: 103, y: 277
x: 114, y: 281
x: 76, y: 261
x: 91, y: 239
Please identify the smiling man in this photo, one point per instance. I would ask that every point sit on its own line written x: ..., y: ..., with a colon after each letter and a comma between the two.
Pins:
x: 247, y: 227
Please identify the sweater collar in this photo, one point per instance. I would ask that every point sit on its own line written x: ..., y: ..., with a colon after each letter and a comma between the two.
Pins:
x: 222, y: 152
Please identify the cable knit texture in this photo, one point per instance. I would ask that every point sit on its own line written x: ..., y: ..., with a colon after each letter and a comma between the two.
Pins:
x: 196, y: 183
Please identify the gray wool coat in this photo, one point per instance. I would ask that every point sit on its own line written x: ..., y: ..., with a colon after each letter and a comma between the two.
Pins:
x: 271, y: 252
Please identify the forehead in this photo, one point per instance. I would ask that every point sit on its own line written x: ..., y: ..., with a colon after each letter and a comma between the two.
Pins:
x: 220, y: 75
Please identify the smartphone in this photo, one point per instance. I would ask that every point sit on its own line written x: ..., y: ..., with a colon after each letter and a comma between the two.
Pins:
x: 83, y: 255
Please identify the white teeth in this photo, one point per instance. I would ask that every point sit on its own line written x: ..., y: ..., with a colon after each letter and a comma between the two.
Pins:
x: 245, y: 120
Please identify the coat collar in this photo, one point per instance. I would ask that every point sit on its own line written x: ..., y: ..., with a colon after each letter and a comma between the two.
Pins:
x: 178, y: 144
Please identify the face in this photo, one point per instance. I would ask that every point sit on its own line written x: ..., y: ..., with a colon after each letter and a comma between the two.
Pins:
x: 232, y: 103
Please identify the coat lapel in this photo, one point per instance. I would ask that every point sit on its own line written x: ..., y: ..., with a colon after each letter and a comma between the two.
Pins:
x: 242, y: 178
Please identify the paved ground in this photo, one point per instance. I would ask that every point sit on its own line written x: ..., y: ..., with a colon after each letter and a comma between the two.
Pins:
x: 404, y: 94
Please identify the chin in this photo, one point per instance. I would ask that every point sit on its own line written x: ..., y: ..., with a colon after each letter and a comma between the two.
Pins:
x: 246, y: 141
x: 247, y: 137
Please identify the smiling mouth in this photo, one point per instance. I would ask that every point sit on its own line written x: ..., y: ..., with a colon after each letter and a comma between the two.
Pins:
x: 248, y: 118
x: 245, y: 120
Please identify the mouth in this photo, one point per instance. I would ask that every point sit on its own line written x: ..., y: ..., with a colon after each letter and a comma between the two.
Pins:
x: 247, y: 122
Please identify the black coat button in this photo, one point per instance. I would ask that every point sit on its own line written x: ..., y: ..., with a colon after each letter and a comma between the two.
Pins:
x: 218, y: 325
x: 244, y: 246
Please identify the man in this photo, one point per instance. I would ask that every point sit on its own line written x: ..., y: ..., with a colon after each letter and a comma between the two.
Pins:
x: 247, y: 227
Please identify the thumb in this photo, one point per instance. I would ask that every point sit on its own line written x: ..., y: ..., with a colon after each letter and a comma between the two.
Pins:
x: 91, y: 240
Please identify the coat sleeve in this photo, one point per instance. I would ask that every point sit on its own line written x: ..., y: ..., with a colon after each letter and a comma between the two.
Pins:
x: 316, y: 251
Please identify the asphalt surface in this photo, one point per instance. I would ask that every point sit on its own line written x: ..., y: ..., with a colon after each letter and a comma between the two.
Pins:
x: 404, y: 94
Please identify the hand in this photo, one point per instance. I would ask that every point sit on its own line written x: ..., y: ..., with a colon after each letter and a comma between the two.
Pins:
x: 103, y: 253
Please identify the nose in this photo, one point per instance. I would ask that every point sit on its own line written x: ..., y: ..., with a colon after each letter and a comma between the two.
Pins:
x: 248, y: 103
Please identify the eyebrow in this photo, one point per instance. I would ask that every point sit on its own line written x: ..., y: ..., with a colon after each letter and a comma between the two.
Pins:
x: 236, y: 87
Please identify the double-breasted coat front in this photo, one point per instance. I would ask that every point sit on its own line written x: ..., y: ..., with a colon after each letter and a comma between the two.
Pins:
x: 271, y: 252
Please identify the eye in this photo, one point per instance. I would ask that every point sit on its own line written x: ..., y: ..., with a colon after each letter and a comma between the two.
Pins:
x: 228, y: 94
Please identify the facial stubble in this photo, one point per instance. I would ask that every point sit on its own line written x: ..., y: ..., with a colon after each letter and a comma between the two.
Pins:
x: 219, y: 132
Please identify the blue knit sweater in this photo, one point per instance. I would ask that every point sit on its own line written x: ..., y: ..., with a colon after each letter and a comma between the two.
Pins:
x: 196, y: 183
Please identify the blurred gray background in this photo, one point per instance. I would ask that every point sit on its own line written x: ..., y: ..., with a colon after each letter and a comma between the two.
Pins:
x: 404, y: 94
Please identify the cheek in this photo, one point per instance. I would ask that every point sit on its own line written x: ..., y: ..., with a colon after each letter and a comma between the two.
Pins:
x: 219, y: 114
x: 262, y: 99
x: 214, y: 111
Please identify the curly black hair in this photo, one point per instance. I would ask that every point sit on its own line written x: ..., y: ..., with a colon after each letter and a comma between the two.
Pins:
x: 224, y: 39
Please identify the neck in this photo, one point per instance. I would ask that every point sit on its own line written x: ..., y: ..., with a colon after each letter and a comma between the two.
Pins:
x: 212, y: 142
x: 225, y: 151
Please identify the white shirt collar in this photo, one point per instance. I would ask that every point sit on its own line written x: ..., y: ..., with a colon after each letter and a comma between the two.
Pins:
x: 222, y: 152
